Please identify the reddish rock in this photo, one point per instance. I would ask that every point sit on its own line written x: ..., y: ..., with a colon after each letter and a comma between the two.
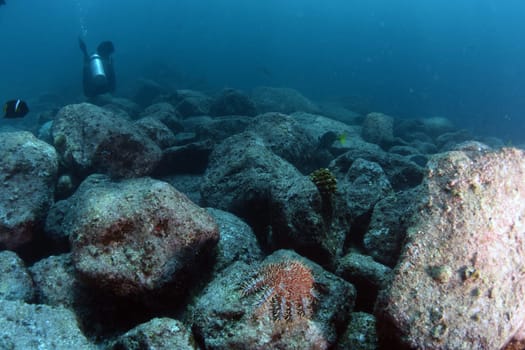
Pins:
x: 459, y: 283
x: 135, y: 236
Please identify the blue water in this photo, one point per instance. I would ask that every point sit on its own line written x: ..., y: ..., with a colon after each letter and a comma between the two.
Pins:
x: 464, y: 59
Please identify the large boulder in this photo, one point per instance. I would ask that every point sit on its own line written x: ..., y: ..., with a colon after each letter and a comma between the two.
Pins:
x: 157, y: 131
x: 237, y: 241
x: 360, y: 333
x: 238, y: 303
x: 363, y: 186
x: 283, y: 100
x: 191, y: 103
x: 147, y: 91
x: 134, y: 236
x: 318, y: 125
x: 232, y: 102
x: 336, y: 112
x: 402, y: 172
x: 367, y: 275
x: 166, y: 114
x: 216, y: 128
x: 158, y: 333
x: 285, y: 137
x: 459, y: 283
x: 31, y: 326
x: 283, y: 206
x: 15, y: 281
x: 55, y: 281
x: 92, y: 139
x: 388, y: 224
x: 28, y: 172
x: 333, y: 137
x: 435, y: 126
x: 190, y: 158
x: 119, y: 105
x: 378, y: 128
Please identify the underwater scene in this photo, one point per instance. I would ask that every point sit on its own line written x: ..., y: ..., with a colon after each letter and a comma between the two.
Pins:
x: 300, y: 174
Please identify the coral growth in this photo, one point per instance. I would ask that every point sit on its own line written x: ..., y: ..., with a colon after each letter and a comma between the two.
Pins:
x: 286, y: 290
x: 325, y: 181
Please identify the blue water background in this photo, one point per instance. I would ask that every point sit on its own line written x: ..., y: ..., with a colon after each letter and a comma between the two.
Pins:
x: 464, y: 59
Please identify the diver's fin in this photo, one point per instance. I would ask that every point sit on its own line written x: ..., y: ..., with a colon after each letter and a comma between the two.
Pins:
x: 83, y: 47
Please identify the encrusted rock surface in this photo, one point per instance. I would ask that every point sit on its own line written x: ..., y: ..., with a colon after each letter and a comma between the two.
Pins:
x: 15, y: 281
x: 237, y: 241
x: 91, y: 139
x: 157, y: 131
x: 440, y: 264
x: 402, y: 173
x: 28, y: 172
x: 360, y: 333
x: 378, y: 128
x: 28, y: 326
x: 166, y: 114
x: 134, y: 236
x: 367, y: 275
x: 363, y: 186
x: 55, y: 282
x: 285, y: 137
x: 460, y: 281
x: 283, y: 100
x: 284, y: 206
x: 190, y: 103
x: 232, y: 102
x: 224, y: 319
x: 158, y: 333
x: 388, y: 224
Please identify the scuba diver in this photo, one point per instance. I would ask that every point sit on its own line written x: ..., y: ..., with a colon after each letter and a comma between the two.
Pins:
x: 98, y: 72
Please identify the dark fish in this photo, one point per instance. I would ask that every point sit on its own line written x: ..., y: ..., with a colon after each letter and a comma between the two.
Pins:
x: 327, y: 139
x: 2, y: 2
x: 15, y: 108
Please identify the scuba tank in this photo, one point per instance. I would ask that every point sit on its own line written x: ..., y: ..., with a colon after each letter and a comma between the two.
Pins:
x: 96, y: 68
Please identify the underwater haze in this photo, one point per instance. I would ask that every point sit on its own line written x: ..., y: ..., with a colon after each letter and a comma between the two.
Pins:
x: 463, y: 60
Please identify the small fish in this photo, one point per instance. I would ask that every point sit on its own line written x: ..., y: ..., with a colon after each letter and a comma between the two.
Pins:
x: 342, y: 138
x: 15, y: 108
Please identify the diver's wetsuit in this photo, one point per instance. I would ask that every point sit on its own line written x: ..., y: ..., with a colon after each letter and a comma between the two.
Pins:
x: 104, y: 50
